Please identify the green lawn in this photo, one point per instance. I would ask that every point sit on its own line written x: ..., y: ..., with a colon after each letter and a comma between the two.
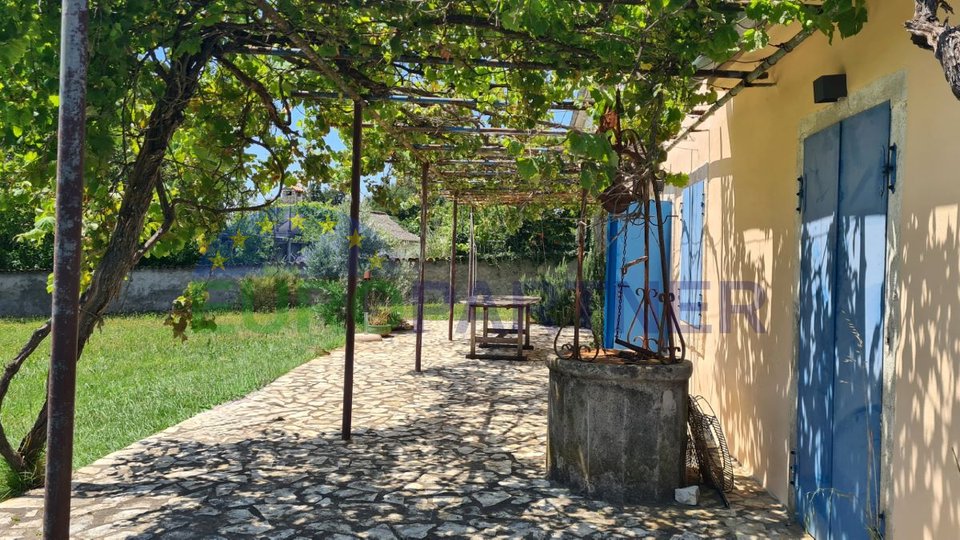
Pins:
x: 441, y: 312
x: 135, y: 379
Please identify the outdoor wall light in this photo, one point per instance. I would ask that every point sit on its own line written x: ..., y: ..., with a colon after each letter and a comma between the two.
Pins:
x: 830, y: 88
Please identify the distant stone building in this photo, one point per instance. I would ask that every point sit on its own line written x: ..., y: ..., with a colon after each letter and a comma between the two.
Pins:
x: 293, y: 194
x: 403, y: 243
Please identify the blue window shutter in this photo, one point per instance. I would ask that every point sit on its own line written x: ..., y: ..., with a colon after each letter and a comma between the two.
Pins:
x: 691, y: 255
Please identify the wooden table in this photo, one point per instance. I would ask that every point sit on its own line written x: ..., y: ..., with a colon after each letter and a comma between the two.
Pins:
x: 495, y: 337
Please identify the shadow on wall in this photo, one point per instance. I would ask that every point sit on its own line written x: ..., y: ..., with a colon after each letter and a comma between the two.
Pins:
x: 751, y: 372
x: 926, y: 430
x: 750, y: 375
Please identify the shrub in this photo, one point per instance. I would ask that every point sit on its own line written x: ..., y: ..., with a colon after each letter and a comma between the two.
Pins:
x: 276, y: 288
x: 595, y: 273
x: 331, y: 306
x: 326, y: 257
x: 556, y: 295
x: 556, y: 292
x: 377, y: 297
x: 30, y: 252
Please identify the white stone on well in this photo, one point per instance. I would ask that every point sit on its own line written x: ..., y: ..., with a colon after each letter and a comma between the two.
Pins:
x: 689, y: 496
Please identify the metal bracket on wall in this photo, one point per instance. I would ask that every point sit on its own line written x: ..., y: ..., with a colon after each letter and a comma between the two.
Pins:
x: 799, y: 194
x: 890, y: 169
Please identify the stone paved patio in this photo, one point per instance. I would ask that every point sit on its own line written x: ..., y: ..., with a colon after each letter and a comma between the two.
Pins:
x: 456, y: 451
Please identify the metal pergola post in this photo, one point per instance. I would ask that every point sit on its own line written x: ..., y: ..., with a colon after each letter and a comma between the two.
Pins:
x: 352, y: 264
x: 62, y: 382
x: 423, y: 262
x: 578, y: 286
x: 453, y: 270
x: 471, y: 262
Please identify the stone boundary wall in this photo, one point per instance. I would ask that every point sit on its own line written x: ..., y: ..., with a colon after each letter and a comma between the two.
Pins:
x: 24, y: 294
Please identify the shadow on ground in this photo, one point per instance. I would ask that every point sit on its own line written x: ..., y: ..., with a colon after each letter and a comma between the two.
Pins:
x: 457, y: 450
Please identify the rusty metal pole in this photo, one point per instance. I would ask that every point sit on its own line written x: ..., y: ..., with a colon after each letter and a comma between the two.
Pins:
x: 453, y: 271
x: 471, y: 263
x: 423, y: 262
x: 578, y: 291
x: 62, y: 382
x: 666, y: 315
x: 646, y: 301
x: 352, y: 264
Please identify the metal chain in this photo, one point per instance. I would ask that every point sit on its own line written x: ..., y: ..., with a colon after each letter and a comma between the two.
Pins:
x: 616, y: 329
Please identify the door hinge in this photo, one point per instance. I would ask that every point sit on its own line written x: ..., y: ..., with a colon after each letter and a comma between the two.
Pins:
x: 799, y: 194
x: 890, y: 169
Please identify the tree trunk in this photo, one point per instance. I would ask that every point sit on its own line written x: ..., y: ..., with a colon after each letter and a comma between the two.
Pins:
x: 927, y: 31
x: 124, y: 248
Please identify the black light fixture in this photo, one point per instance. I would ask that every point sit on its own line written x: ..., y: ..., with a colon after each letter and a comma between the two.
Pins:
x: 830, y: 88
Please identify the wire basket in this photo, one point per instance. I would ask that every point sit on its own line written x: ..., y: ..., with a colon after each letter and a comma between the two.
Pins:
x: 710, y: 446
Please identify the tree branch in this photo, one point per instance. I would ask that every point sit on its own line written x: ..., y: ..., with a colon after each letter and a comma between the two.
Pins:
x: 925, y: 27
x: 169, y: 216
x: 261, y: 91
x: 928, y: 32
x: 12, y: 457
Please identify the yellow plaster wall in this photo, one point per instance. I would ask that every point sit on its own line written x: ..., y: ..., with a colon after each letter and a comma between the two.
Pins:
x: 749, y: 154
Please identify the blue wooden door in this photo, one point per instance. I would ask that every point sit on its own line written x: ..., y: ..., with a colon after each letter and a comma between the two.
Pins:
x: 843, y: 272
x: 818, y: 240
x: 622, y: 299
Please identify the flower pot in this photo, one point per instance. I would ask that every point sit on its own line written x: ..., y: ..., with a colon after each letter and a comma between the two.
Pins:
x: 379, y: 329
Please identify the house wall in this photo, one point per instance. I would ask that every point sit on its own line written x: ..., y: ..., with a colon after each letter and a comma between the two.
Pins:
x: 749, y: 154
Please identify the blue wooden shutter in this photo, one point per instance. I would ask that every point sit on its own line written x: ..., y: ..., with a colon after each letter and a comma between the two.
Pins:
x: 691, y: 256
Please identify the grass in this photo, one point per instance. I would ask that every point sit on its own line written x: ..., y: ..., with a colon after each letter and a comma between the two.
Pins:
x: 441, y: 312
x: 135, y: 379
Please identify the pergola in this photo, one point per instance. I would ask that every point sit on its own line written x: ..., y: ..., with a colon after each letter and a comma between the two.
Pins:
x: 489, y: 175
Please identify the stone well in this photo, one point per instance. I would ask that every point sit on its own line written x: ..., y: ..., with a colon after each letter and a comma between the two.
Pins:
x: 618, y: 432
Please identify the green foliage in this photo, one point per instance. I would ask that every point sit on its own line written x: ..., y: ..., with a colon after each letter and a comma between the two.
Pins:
x: 17, y: 254
x: 275, y: 289
x: 599, y: 167
x: 555, y: 289
x: 331, y: 307
x: 595, y: 272
x: 325, y: 195
x: 225, y: 156
x: 14, y: 483
x: 376, y: 296
x: 189, y: 310
x: 187, y: 256
x: 504, y: 233
x: 555, y: 286
x: 327, y: 255
x: 381, y: 302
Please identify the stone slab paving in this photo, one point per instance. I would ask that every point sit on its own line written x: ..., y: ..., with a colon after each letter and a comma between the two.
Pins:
x: 455, y: 451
